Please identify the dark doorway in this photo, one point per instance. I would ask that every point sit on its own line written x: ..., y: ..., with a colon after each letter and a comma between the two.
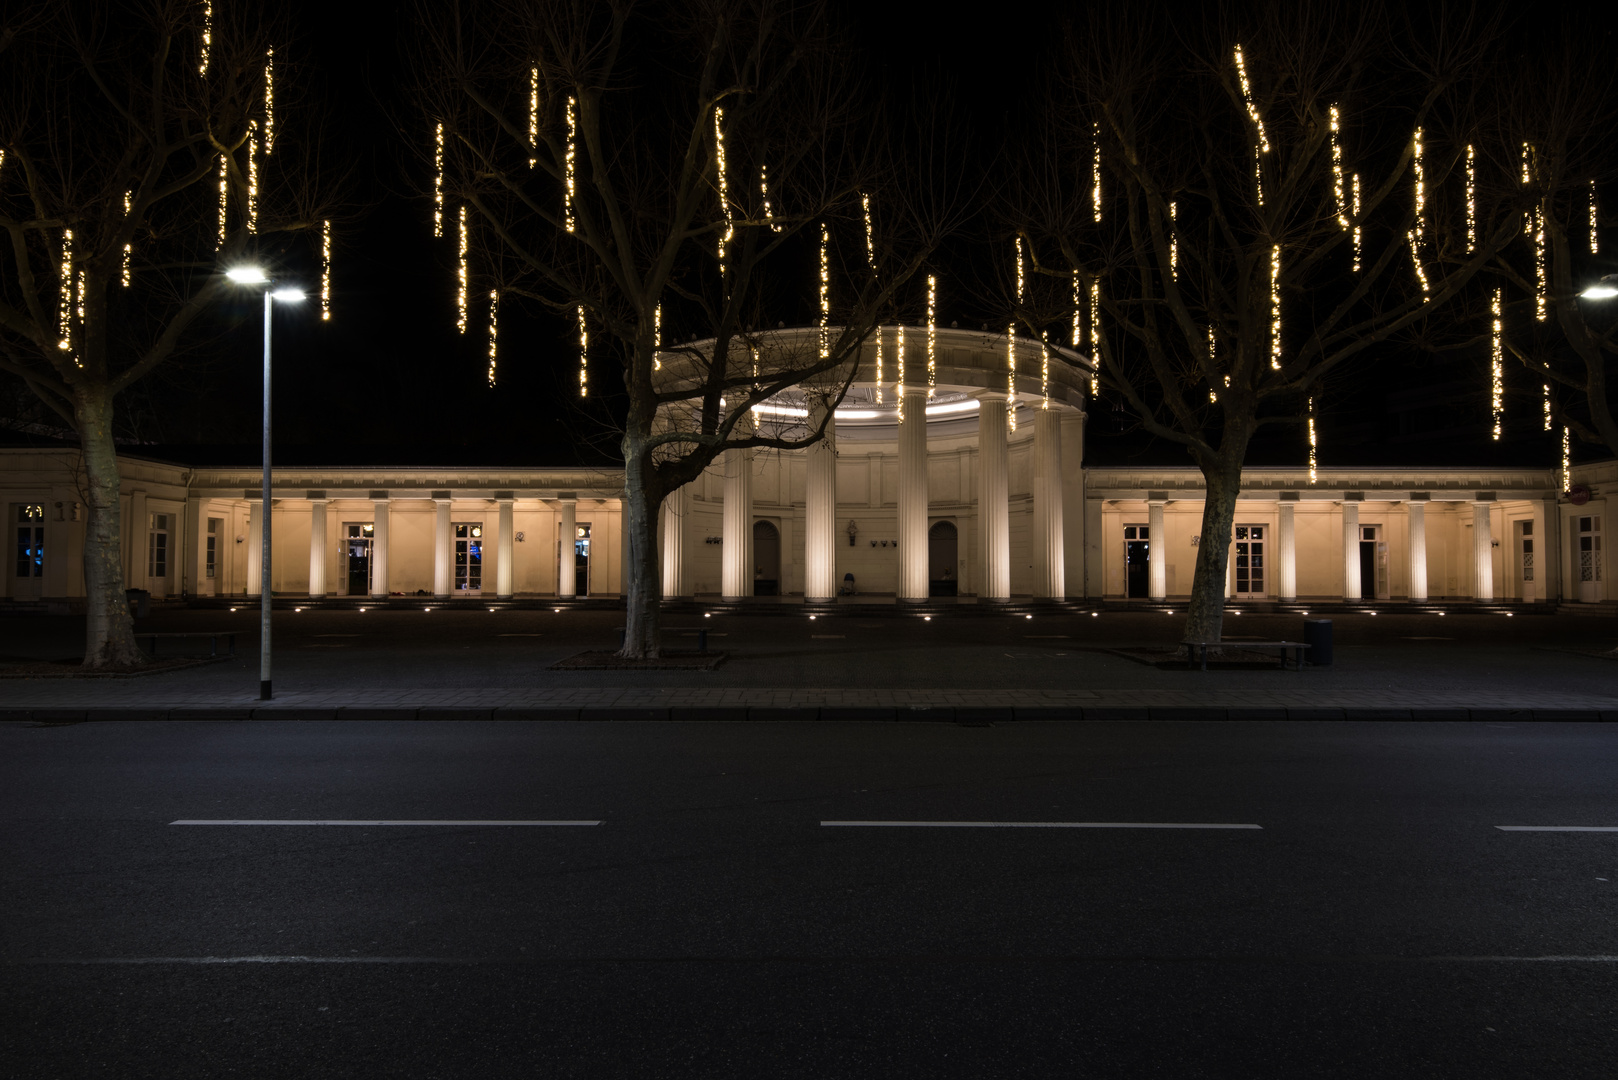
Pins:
x: 1368, y: 590
x: 581, y: 559
x: 468, y: 539
x: 358, y: 546
x: 1137, y: 562
x: 766, y: 559
x: 943, y: 555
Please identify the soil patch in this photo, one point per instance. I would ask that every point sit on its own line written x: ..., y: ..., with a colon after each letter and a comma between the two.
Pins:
x: 671, y: 660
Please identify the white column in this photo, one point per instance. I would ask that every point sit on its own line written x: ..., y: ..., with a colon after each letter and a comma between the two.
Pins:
x: 196, y: 540
x: 820, y: 511
x: 567, y: 582
x: 139, y: 527
x: 736, y: 577
x: 1287, y: 552
x: 1418, y: 549
x: 1157, y: 554
x: 1351, y: 551
x: 505, y: 569
x: 317, y: 548
x: 1049, y: 561
x: 380, y: 532
x: 674, y: 544
x: 993, y: 501
x: 443, y: 581
x: 255, y: 546
x: 1483, y: 547
x: 1073, y: 501
x: 1548, y: 551
x: 913, y: 497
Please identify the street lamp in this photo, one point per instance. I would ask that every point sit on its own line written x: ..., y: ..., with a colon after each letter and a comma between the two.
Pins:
x: 252, y: 275
x: 1605, y: 289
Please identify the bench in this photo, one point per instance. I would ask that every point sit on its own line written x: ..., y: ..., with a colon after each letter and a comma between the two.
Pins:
x: 213, y: 637
x: 1196, y: 651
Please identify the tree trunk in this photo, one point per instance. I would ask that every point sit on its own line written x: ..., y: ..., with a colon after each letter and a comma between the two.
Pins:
x: 1223, y: 479
x: 643, y: 575
x: 109, y: 632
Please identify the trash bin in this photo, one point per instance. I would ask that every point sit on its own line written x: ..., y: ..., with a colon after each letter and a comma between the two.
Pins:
x: 140, y: 602
x: 1317, y: 635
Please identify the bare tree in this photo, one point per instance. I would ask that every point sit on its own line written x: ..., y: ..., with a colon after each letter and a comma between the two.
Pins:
x: 676, y: 170
x: 1250, y: 209
x: 136, y: 165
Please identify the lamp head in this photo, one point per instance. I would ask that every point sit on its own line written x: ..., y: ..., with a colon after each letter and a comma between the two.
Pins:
x: 289, y: 295
x: 247, y: 275
x: 1605, y: 289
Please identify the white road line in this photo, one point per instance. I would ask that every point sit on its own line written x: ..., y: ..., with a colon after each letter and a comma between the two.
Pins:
x: 508, y: 960
x: 268, y: 821
x: 1032, y: 825
x: 1557, y: 828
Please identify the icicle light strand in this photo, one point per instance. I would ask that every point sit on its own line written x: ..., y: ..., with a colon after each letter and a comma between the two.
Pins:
x: 1497, y: 368
x: 1078, y: 310
x: 269, y: 102
x: 207, y: 37
x: 1213, y: 363
x: 1355, y: 192
x: 1595, y: 245
x: 438, y: 180
x: 461, y: 276
x: 1567, y: 459
x: 764, y: 193
x: 1095, y: 337
x: 1545, y: 404
x: 1338, y: 190
x: 1313, y: 443
x: 932, y: 334
x: 64, y: 307
x: 870, y: 233
x: 1044, y: 372
x: 1095, y: 171
x: 657, y: 338
x: 1541, y: 285
x: 224, y: 198
x: 325, y: 271
x: 494, y: 332
x: 128, y: 207
x: 724, y: 185
x: 879, y: 365
x: 584, y: 355
x: 1419, y: 233
x: 533, y: 116
x: 899, y: 386
x: 252, y: 176
x: 1262, y: 145
x: 1174, y: 239
x: 1011, y: 349
x: 1471, y: 199
x: 1275, y: 307
x: 825, y: 291
x: 572, y: 156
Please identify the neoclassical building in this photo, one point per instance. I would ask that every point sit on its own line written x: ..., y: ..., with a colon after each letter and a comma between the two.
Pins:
x: 981, y: 491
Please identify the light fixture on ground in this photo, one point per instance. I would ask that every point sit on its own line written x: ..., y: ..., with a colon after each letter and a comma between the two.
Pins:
x: 253, y: 275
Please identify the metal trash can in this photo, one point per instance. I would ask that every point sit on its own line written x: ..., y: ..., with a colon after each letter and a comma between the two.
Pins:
x: 140, y: 602
x: 1317, y: 635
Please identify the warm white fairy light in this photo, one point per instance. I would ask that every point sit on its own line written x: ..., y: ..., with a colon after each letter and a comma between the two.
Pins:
x: 460, y: 274
x: 870, y: 233
x: 724, y: 184
x: 932, y: 334
x: 64, y: 308
x: 1355, y: 206
x: 764, y: 192
x: 1471, y: 199
x: 1313, y: 442
x: 128, y: 207
x: 1262, y: 145
x: 533, y: 116
x: 207, y: 37
x: 1011, y: 348
x: 1213, y: 361
x: 1095, y: 337
x: 224, y: 197
x: 879, y: 365
x: 1527, y: 179
x: 1339, y: 193
x: 1497, y: 367
x: 1545, y: 404
x: 1174, y: 238
x: 899, y: 384
x: 1078, y: 311
x: 269, y: 102
x: 1275, y: 307
x: 825, y: 291
x: 325, y: 271
x: 438, y: 180
x: 1594, y: 220
x: 1567, y: 459
x: 1044, y: 371
x: 1419, y: 233
x: 1541, y: 292
x: 657, y: 338
x: 571, y: 161
x: 584, y: 355
x: 252, y: 176
x: 1095, y: 171
x: 494, y: 331
x: 81, y: 290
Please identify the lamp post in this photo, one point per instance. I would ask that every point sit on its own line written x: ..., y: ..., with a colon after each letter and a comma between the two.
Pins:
x: 252, y: 275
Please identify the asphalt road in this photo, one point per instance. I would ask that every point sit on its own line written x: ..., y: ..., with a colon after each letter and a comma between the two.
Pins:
x: 1377, y: 923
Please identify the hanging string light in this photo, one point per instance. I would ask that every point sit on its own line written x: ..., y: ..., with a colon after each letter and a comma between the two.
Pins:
x: 64, y: 308
x: 584, y: 355
x: 825, y: 291
x: 1356, y: 208
x: 1313, y: 442
x: 764, y: 191
x: 1174, y: 239
x: 1011, y: 349
x: 1527, y: 179
x: 461, y: 276
x: 1275, y: 307
x: 572, y: 155
x: 438, y: 180
x: 1213, y: 361
x: 724, y: 186
x: 1095, y: 171
x: 207, y: 36
x: 657, y: 338
x: 224, y: 197
x: 870, y: 234
x: 932, y: 334
x: 494, y: 331
x: 325, y: 271
x: 269, y: 102
x: 1497, y: 367
x: 1262, y: 144
x: 1594, y: 220
x: 1044, y: 370
x: 1417, y: 234
x: 899, y: 385
x: 879, y: 365
x: 1567, y: 459
x: 533, y: 116
x: 1471, y: 199
x: 1339, y: 193
x: 128, y: 207
x: 1545, y: 404
x: 1541, y: 290
x: 1078, y: 310
x: 1095, y: 337
x: 252, y: 176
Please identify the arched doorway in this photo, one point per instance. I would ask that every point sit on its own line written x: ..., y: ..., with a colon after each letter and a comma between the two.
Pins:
x: 766, y: 559
x: 943, y: 556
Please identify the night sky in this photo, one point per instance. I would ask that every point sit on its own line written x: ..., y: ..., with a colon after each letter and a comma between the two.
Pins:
x: 388, y: 380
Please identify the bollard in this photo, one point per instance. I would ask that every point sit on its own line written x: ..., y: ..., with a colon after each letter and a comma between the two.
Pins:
x: 1317, y: 635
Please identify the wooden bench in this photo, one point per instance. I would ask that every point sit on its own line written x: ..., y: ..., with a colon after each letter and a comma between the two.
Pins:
x: 213, y: 637
x: 1196, y: 651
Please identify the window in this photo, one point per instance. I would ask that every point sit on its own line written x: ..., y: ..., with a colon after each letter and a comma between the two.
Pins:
x: 213, y: 544
x: 1135, y: 532
x: 1528, y: 528
x: 157, y: 547
x: 30, y: 540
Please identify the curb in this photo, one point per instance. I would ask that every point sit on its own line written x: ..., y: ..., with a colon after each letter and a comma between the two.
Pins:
x: 964, y: 715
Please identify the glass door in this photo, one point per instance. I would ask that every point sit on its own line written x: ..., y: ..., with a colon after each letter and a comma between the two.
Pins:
x: 1137, y: 561
x: 357, y: 557
x: 1587, y: 558
x: 29, y: 529
x: 1250, y: 561
x: 468, y: 559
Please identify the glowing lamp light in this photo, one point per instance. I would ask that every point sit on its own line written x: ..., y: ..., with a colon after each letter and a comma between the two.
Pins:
x: 1605, y: 289
x: 247, y: 275
x: 287, y: 296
